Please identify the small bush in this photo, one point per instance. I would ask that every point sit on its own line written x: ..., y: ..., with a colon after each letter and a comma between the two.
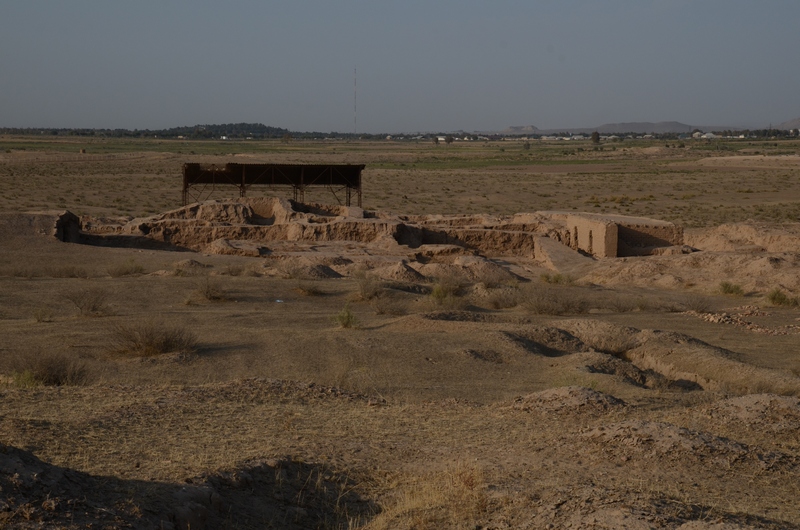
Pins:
x: 621, y: 304
x: 446, y: 290
x: 388, y: 306
x: 210, y: 290
x: 233, y: 270
x: 495, y: 277
x: 90, y: 302
x: 345, y: 318
x: 26, y: 272
x: 129, y: 268
x: 147, y: 339
x: 697, y: 303
x: 557, y: 279
x: 555, y: 301
x: 502, y: 299
x: 309, y: 288
x: 43, y: 314
x: 731, y: 289
x: 67, y: 271
x: 290, y: 270
x: 50, y: 369
x: 368, y: 287
x: 778, y: 297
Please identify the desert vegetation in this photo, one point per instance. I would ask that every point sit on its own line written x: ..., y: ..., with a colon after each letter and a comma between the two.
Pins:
x: 362, y: 383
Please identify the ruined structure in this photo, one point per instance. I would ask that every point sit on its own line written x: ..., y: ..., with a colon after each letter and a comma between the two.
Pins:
x: 610, y: 236
x: 345, y: 239
x: 200, y: 180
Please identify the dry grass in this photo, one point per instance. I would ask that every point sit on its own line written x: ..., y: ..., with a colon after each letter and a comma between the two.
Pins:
x: 503, y: 298
x: 369, y: 287
x: 494, y: 278
x: 147, y: 339
x: 309, y: 288
x: 211, y: 290
x: 67, y: 271
x: 128, y: 268
x: 43, y: 314
x: 552, y: 300
x: 453, y: 498
x: 388, y: 305
x: 48, y: 369
x: 89, y: 301
x: 697, y: 303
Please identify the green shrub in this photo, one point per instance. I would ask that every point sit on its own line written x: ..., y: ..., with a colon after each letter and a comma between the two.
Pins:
x: 731, y: 289
x: 43, y: 314
x: 446, y: 288
x: 368, y: 287
x: 345, y: 318
x: 778, y: 297
x: 557, y: 278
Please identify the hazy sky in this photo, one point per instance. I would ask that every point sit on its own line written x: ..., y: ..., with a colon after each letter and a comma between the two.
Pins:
x: 422, y: 65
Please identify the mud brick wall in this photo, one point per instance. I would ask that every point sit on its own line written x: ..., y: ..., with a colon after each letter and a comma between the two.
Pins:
x: 597, y: 237
x: 641, y: 236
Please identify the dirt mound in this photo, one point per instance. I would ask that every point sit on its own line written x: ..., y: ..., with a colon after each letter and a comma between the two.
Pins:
x: 683, y: 358
x: 547, y: 341
x: 762, y: 411
x: 687, y: 362
x: 602, y: 336
x: 568, y: 398
x: 746, y: 237
x: 627, y: 372
x: 399, y: 272
x: 648, y: 439
x: 459, y: 316
x: 281, y: 492
x: 304, y: 268
x: 236, y: 248
x: 258, y: 390
x: 754, y: 270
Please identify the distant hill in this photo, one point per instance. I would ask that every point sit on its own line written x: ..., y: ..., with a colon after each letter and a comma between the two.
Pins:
x: 643, y: 127
x: 791, y: 124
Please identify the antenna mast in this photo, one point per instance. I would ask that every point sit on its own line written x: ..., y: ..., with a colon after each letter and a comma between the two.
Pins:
x: 355, y: 107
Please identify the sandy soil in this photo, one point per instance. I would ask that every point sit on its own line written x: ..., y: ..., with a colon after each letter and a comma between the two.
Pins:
x: 479, y: 385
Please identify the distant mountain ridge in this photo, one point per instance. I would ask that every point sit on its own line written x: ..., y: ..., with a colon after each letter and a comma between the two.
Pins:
x: 641, y: 127
x: 791, y: 124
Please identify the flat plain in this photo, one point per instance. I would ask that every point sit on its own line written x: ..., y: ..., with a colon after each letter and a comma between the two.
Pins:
x: 322, y: 384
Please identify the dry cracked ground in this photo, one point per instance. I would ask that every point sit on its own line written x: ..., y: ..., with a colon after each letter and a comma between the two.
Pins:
x: 264, y: 364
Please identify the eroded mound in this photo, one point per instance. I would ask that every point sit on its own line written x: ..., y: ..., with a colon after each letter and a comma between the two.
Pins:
x: 274, y: 493
x: 568, y: 399
x: 764, y: 411
x: 648, y: 439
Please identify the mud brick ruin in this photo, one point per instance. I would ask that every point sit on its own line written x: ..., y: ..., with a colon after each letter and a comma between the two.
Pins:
x: 610, y: 236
